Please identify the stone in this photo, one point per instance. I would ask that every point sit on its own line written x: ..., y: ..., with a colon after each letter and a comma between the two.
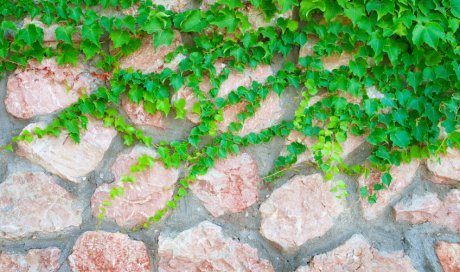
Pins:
x: 447, y: 170
x: 33, y: 203
x: 65, y: 158
x: 429, y: 208
x: 449, y: 256
x: 205, y: 248
x: 230, y: 186
x: 45, y: 88
x: 149, y: 193
x: 357, y: 255
x: 402, y: 177
x: 140, y: 117
x: 106, y: 251
x: 35, y: 260
x: 173, y: 5
x: 332, y: 62
x: 300, y: 210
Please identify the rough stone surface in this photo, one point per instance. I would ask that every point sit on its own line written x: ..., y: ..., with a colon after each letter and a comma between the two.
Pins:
x: 449, y: 256
x: 357, y: 255
x: 230, y: 186
x: 298, y: 211
x: 33, y: 203
x: 69, y: 160
x: 45, y: 88
x: 106, y: 251
x: 446, y: 171
x: 140, y: 117
x: 429, y: 208
x: 35, y: 260
x: 204, y: 248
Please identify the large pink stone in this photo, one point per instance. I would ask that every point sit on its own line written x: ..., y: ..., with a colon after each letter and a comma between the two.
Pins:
x: 357, y: 255
x: 447, y: 169
x: 449, y: 256
x: 140, y: 117
x: 35, y: 260
x: 69, y: 160
x: 402, y: 176
x: 230, y: 186
x: 106, y: 251
x: 204, y: 248
x: 152, y: 189
x: 33, y: 203
x: 429, y: 208
x: 300, y: 210
x: 45, y: 88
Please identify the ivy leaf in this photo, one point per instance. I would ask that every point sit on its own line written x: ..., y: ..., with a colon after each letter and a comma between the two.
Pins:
x: 30, y: 34
x: 382, y: 7
x: 193, y: 21
x: 119, y: 38
x: 179, y: 106
x: 67, y: 54
x: 306, y: 6
x: 455, y: 8
x: 386, y: 179
x: 92, y: 32
x: 400, y: 138
x: 164, y: 105
x: 65, y: 34
x: 89, y: 49
x: 232, y: 4
x: 287, y: 5
x: 430, y: 34
x: 225, y: 19
x: 163, y: 37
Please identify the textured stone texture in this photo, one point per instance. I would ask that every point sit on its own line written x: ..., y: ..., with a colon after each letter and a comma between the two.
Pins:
x: 106, y: 251
x: 69, y: 160
x: 204, y: 248
x: 230, y: 186
x: 152, y: 189
x: 35, y: 260
x: 32, y: 203
x: 298, y: 211
x: 447, y: 170
x: 357, y: 255
x: 449, y: 256
x: 45, y: 88
x: 429, y: 208
x: 140, y: 117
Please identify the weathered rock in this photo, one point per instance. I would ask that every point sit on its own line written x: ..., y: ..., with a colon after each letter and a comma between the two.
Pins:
x: 152, y: 189
x: 35, y: 260
x: 449, y: 256
x: 447, y: 170
x: 402, y: 176
x: 429, y: 208
x: 45, y: 88
x: 357, y: 255
x: 300, y: 210
x: 230, y: 186
x: 140, y: 117
x: 204, y: 248
x: 69, y: 160
x: 32, y: 203
x: 106, y: 251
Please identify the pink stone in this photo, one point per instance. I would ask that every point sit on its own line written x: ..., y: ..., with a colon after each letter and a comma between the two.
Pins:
x: 139, y: 116
x: 402, y: 176
x: 447, y: 170
x: 45, y: 88
x: 35, y: 260
x: 429, y: 208
x: 449, y: 256
x: 331, y: 62
x: 204, y: 248
x: 357, y: 255
x: 151, y: 191
x: 33, y: 203
x: 106, y: 251
x: 300, y: 210
x: 230, y: 186
x: 69, y: 160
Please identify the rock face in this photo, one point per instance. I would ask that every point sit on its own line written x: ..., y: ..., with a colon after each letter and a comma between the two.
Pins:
x: 45, y: 88
x: 140, y: 117
x: 357, y: 255
x: 105, y: 251
x: 35, y: 260
x: 402, y: 175
x: 449, y: 256
x: 152, y: 189
x: 230, y: 186
x: 446, y: 171
x: 69, y: 160
x: 32, y: 203
x: 298, y: 211
x: 429, y: 208
x: 204, y: 248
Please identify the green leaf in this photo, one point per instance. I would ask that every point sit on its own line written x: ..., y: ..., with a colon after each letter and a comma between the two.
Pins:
x: 306, y: 6
x: 231, y: 3
x: 30, y: 34
x: 179, y: 106
x: 92, y: 32
x: 382, y: 7
x: 363, y: 191
x: 193, y: 21
x: 287, y: 5
x: 430, y: 34
x: 119, y: 38
x: 67, y: 54
x: 65, y: 34
x: 164, y: 105
x: 455, y: 8
x: 163, y: 37
x: 400, y: 138
x: 386, y: 179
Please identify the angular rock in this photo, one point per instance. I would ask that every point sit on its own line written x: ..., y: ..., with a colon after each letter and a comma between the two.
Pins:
x: 449, y: 256
x: 151, y: 191
x: 447, y: 170
x: 300, y: 210
x: 69, y: 160
x: 205, y: 248
x: 357, y: 255
x: 33, y: 203
x: 35, y: 260
x: 106, y: 251
x: 140, y: 117
x: 45, y: 88
x: 429, y: 208
x: 230, y: 186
